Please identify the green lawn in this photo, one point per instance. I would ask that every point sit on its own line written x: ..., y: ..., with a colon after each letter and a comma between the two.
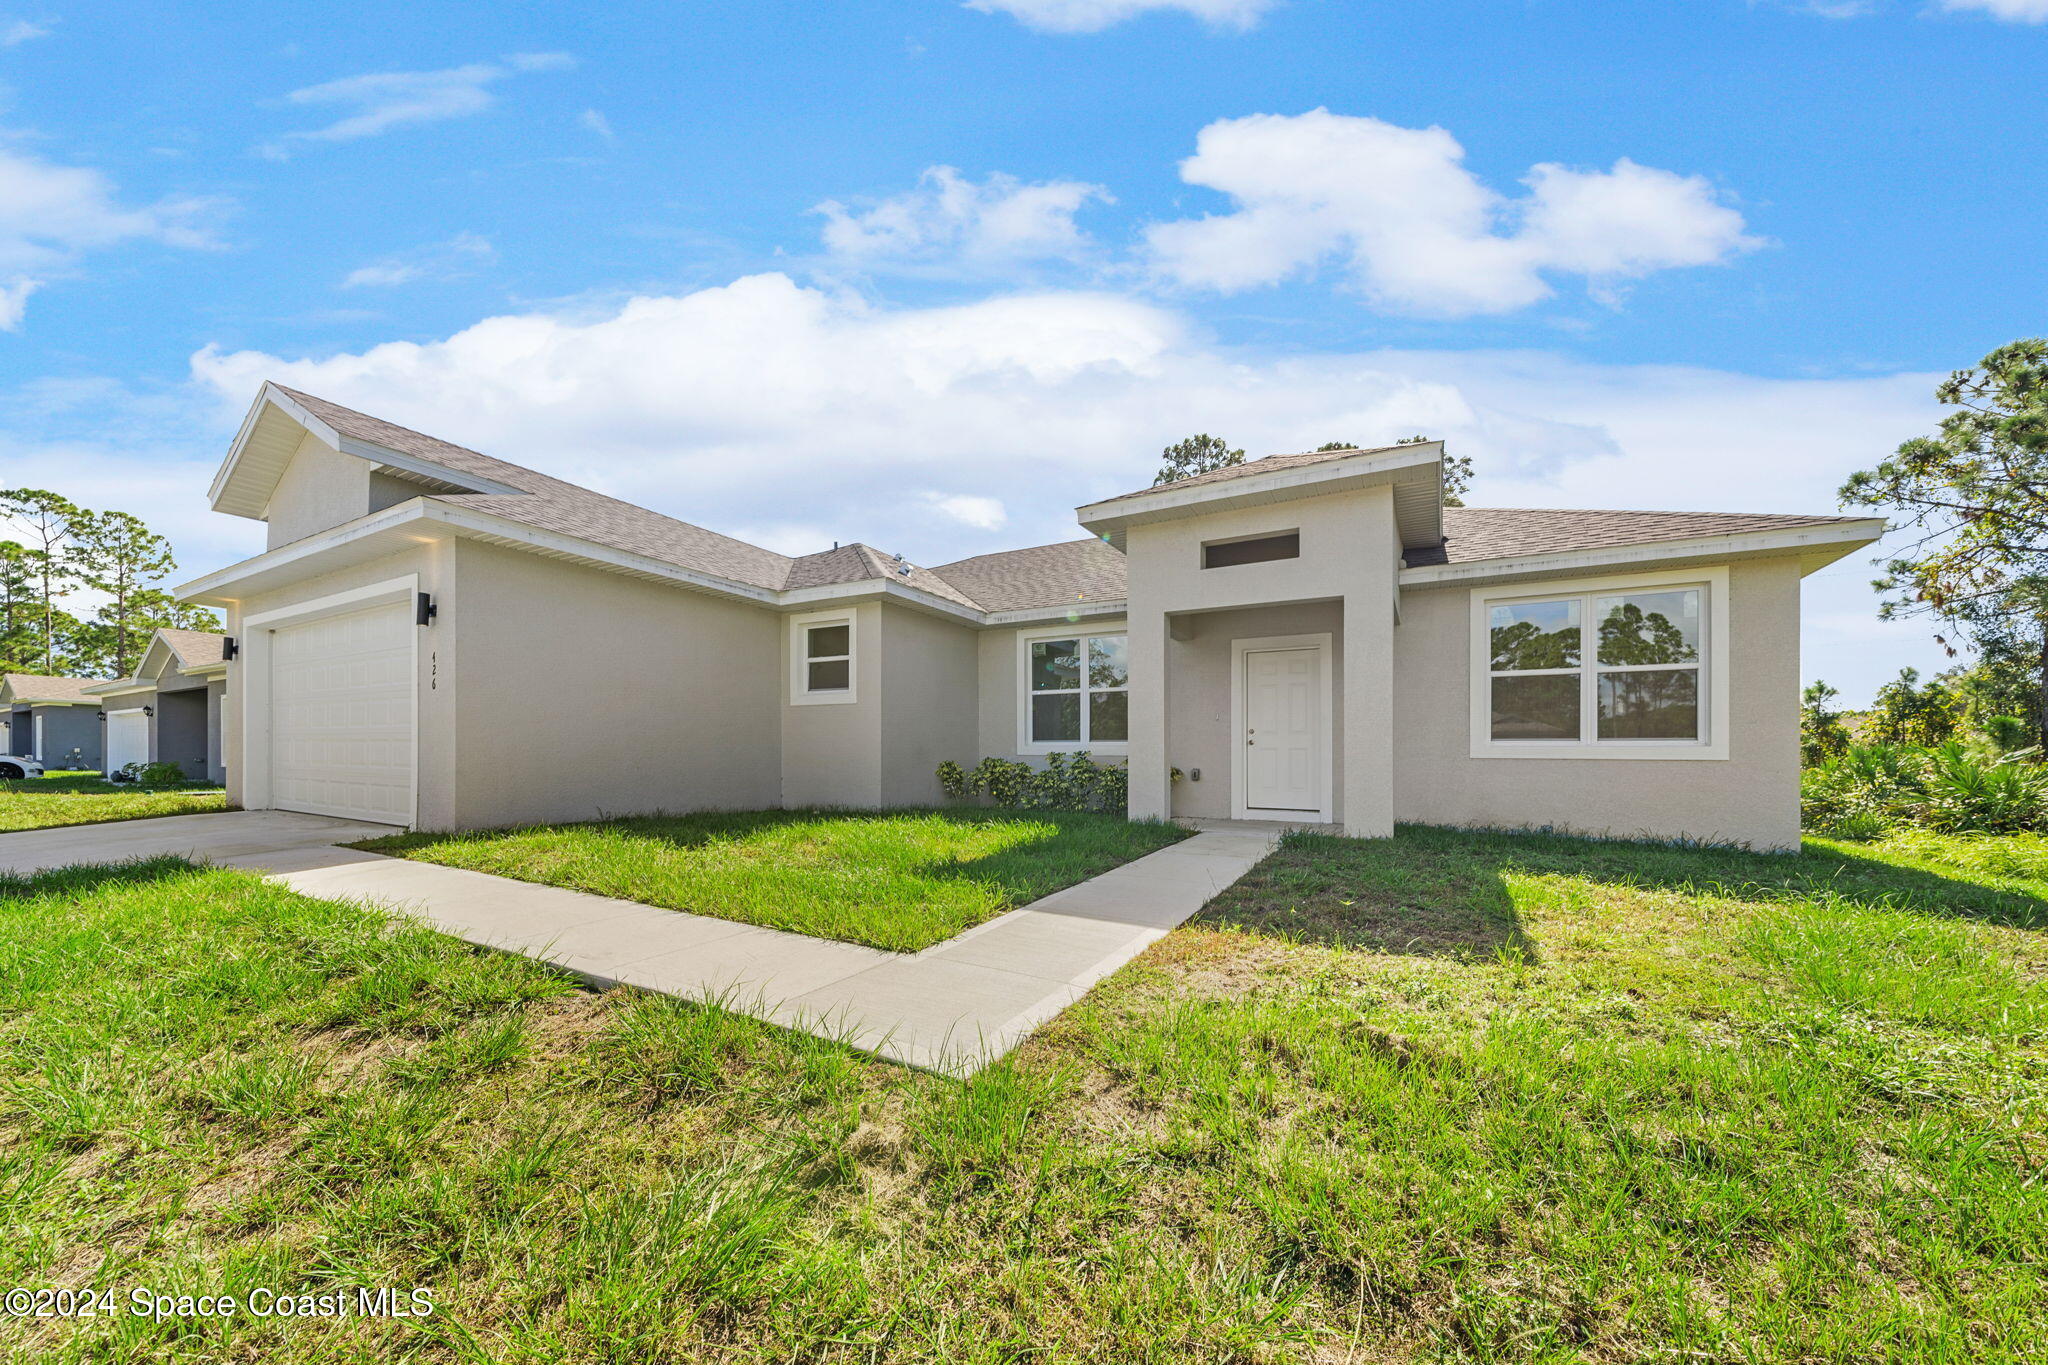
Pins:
x: 82, y: 798
x: 1449, y: 1097
x: 902, y: 880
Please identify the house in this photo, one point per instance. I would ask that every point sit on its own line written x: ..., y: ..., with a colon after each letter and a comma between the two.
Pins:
x: 52, y: 719
x: 170, y: 710
x: 438, y: 638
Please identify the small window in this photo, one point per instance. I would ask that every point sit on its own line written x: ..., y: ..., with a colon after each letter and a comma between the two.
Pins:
x: 1077, y: 692
x: 822, y: 662
x: 1222, y: 554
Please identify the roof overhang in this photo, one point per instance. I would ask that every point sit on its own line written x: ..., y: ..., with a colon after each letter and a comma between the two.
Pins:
x: 1415, y: 473
x: 270, y: 435
x: 1815, y: 546
x: 121, y: 687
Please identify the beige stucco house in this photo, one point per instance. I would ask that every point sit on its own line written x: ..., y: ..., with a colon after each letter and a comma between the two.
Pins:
x: 438, y: 638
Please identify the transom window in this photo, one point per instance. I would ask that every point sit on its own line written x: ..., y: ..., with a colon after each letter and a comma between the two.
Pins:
x: 1077, y: 691
x: 1612, y: 667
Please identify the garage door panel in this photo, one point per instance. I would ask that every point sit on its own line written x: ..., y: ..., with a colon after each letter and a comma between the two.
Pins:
x: 341, y: 698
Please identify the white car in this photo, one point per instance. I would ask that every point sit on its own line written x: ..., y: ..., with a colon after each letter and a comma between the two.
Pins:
x: 14, y: 767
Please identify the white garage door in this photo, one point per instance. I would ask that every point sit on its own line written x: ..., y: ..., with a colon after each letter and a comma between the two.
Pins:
x: 127, y: 738
x: 341, y: 716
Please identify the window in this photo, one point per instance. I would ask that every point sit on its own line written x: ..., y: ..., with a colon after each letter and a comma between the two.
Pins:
x: 1618, y: 668
x: 1222, y: 554
x: 1076, y: 692
x: 821, y: 659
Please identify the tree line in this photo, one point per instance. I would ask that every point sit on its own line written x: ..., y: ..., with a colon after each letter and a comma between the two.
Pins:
x: 66, y: 560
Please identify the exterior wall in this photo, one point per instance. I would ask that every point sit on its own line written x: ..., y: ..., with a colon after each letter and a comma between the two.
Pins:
x: 930, y: 708
x: 20, y: 736
x: 1349, y: 553
x: 216, y: 702
x: 832, y: 751
x: 435, y: 566
x: 178, y: 732
x: 71, y: 735
x: 663, y: 700
x: 1751, y: 797
x: 1198, y: 683
x: 386, y: 491
x: 1002, y: 678
x: 319, y: 488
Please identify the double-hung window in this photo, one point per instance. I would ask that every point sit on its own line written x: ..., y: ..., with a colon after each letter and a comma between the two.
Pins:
x: 1076, y: 692
x: 1613, y: 668
x: 821, y: 659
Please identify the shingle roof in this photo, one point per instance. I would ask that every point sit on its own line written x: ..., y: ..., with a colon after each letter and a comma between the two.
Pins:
x: 1265, y: 464
x: 194, y: 648
x: 1042, y: 576
x: 857, y: 563
x: 556, y: 505
x: 1474, y: 533
x: 34, y: 687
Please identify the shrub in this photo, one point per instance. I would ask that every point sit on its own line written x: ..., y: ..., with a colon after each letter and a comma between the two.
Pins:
x: 1821, y: 733
x: 1955, y: 788
x: 1965, y: 794
x: 2008, y: 733
x: 1066, y: 782
x: 156, y: 774
x: 953, y: 780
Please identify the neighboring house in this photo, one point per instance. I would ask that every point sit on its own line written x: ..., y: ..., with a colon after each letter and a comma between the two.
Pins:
x: 170, y: 710
x: 53, y: 719
x: 442, y: 639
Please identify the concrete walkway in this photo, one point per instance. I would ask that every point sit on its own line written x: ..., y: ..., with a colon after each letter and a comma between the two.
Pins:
x: 953, y: 1008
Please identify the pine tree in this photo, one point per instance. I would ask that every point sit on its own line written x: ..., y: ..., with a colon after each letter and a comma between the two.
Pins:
x: 49, y: 522
x: 1196, y: 455
x: 116, y: 554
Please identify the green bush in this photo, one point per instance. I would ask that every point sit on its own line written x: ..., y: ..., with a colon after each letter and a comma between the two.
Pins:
x: 153, y: 774
x: 1956, y: 788
x: 1066, y: 782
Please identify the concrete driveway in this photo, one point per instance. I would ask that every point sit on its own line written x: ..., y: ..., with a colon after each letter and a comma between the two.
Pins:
x: 216, y: 836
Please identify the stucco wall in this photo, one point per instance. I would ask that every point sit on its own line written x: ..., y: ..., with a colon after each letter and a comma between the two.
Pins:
x: 999, y: 666
x: 71, y: 735
x: 216, y: 701
x: 832, y: 751
x: 659, y: 699
x: 1750, y: 797
x: 1198, y: 728
x: 20, y: 735
x: 435, y: 566
x: 319, y: 488
x: 930, y: 710
x: 180, y: 729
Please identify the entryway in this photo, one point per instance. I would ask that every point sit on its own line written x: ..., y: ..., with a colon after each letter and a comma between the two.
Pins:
x: 1281, y: 711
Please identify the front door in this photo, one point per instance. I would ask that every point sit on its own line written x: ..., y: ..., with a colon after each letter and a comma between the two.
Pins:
x: 1283, y: 731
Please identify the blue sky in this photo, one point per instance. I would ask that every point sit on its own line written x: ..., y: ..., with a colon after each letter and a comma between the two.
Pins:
x: 928, y: 275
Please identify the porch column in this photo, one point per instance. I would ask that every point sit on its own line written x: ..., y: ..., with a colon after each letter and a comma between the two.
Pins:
x: 1369, y: 675
x: 1150, y: 793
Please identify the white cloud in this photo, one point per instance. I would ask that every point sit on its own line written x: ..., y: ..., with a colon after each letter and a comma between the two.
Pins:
x: 2012, y: 11
x: 595, y: 121
x: 442, y: 261
x: 795, y: 416
x: 51, y: 215
x: 949, y: 219
x: 1092, y: 16
x: 1418, y: 231
x: 983, y: 514
x: 15, y: 32
x: 382, y: 101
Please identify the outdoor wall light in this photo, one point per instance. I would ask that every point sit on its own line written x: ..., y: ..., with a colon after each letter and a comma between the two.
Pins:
x: 103, y: 717
x: 229, y: 647
x: 427, y: 611
x: 149, y: 710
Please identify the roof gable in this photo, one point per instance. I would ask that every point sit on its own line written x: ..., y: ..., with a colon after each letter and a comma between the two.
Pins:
x: 30, y: 688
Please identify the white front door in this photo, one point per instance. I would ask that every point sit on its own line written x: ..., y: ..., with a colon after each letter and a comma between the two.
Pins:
x: 127, y: 738
x: 341, y: 715
x: 1283, y: 738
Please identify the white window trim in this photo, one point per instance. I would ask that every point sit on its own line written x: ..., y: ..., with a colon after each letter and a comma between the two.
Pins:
x: 800, y: 693
x: 1326, y: 770
x: 1713, y: 669
x: 255, y: 635
x: 1072, y: 631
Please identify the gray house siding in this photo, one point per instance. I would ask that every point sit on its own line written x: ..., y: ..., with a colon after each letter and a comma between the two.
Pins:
x: 180, y: 733
x: 71, y: 735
